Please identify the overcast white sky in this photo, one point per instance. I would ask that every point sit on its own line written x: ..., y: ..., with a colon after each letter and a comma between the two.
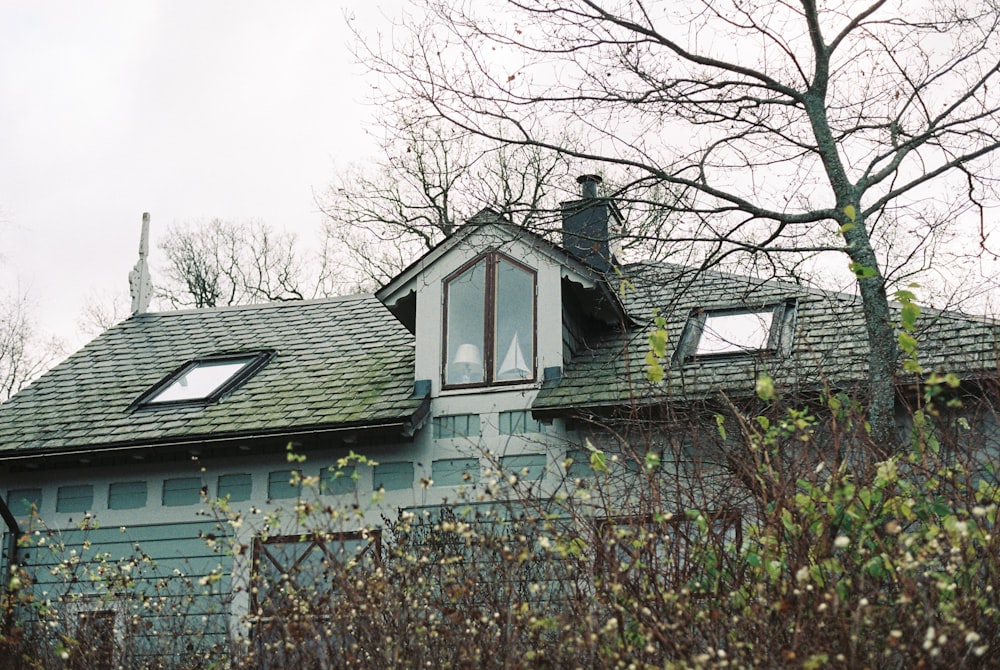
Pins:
x: 188, y: 110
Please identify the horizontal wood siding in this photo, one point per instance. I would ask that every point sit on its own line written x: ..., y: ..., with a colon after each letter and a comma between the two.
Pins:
x: 168, y: 583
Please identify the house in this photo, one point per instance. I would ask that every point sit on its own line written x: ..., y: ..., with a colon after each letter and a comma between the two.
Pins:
x: 498, y: 350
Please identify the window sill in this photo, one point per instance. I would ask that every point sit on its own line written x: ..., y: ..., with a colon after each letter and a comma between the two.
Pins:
x: 532, y: 385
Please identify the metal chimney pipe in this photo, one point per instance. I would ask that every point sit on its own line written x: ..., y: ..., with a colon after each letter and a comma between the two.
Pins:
x: 588, y: 184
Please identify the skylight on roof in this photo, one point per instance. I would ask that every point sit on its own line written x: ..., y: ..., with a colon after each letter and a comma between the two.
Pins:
x: 205, y: 380
x: 737, y: 331
x: 734, y: 333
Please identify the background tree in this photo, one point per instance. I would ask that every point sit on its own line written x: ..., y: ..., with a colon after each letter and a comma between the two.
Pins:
x: 786, y: 127
x: 23, y: 353
x: 228, y: 263
x: 430, y: 178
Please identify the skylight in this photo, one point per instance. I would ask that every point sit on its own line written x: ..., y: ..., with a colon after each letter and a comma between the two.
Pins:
x: 738, y: 330
x: 205, y: 380
x: 734, y: 333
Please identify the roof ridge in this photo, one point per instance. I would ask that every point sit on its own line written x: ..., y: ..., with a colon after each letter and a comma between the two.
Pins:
x: 259, y: 305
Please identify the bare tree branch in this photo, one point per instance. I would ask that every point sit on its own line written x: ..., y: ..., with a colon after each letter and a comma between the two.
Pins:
x: 782, y: 126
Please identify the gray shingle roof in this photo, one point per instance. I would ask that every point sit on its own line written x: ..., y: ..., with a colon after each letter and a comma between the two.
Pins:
x: 339, y: 362
x: 829, y: 343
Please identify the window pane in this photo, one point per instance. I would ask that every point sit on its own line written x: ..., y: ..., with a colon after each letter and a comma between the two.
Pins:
x: 22, y: 501
x: 729, y: 333
x: 279, y: 485
x: 455, y: 471
x: 466, y: 326
x: 514, y: 355
x: 236, y: 487
x: 456, y: 426
x: 183, y: 491
x: 127, y: 495
x: 528, y: 467
x: 75, y: 498
x: 201, y: 381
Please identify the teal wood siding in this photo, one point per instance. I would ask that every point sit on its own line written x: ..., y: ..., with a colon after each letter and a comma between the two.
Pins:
x: 457, y: 425
x: 127, y: 495
x: 279, y: 485
x: 394, y: 476
x: 166, y: 564
x: 455, y: 471
x: 526, y: 466
x: 237, y: 487
x: 518, y: 423
x: 337, y: 481
x: 577, y: 464
x: 78, y: 498
x: 20, y: 502
x: 182, y: 491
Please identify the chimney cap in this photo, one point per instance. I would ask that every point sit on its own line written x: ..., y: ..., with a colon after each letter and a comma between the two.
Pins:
x: 589, y: 183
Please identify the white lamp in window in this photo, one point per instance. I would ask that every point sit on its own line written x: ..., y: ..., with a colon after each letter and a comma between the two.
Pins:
x: 514, y: 366
x: 469, y: 363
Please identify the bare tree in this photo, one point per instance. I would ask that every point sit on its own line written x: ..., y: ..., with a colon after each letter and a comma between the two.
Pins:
x: 226, y: 263
x: 23, y: 353
x: 102, y: 310
x: 429, y: 179
x: 788, y: 127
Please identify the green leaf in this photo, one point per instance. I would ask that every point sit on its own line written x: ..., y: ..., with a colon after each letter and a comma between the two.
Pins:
x: 909, y: 314
x: 862, y: 271
x: 850, y: 212
x: 598, y: 461
x: 658, y: 342
x: 907, y: 343
x: 654, y: 370
x: 720, y: 423
x: 765, y: 388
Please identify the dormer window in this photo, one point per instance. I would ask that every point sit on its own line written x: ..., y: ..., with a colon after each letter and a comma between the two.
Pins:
x: 205, y: 380
x: 489, y: 323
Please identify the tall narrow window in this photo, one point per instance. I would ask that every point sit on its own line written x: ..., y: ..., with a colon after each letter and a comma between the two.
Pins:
x: 489, y: 323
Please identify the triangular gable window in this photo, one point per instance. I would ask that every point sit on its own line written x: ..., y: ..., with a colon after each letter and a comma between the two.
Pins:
x: 205, y: 380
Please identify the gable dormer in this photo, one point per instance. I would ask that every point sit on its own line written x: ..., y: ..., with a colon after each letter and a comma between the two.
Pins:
x: 488, y: 307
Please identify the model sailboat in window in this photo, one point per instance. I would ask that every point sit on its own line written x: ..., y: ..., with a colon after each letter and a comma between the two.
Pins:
x: 514, y: 366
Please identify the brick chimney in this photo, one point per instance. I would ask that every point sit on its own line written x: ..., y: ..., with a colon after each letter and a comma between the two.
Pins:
x: 591, y: 225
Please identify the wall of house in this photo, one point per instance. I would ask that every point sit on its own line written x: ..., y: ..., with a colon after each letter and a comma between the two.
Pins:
x: 174, y: 560
x: 152, y: 521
